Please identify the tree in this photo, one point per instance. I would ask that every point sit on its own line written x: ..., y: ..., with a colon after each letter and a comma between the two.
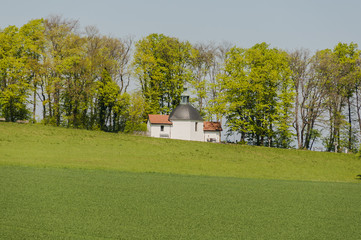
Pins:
x: 14, y: 84
x: 215, y: 106
x: 70, y: 73
x: 357, y: 91
x: 111, y: 55
x: 203, y: 57
x: 257, y: 91
x: 347, y: 57
x: 76, y: 92
x: 107, y: 96
x: 206, y: 62
x: 136, y: 120
x: 310, y: 93
x: 338, y: 69
x: 58, y: 33
x: 161, y: 65
x: 33, y: 39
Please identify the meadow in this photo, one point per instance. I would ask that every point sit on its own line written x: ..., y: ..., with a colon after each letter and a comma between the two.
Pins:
x: 45, y: 146
x: 58, y: 183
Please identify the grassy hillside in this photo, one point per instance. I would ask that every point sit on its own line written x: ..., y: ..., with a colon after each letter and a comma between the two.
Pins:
x: 51, y: 203
x: 45, y: 146
x: 58, y: 183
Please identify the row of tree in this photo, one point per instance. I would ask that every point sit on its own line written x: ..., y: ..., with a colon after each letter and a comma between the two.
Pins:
x: 80, y: 79
x: 266, y: 95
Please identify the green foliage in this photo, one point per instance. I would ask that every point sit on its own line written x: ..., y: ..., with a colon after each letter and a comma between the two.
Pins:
x: 107, y: 92
x: 67, y: 75
x: 136, y: 114
x: 161, y: 66
x: 258, y: 95
x: 19, y: 57
x: 13, y: 102
x: 81, y: 79
x: 339, y: 70
x: 202, y: 61
x: 133, y: 127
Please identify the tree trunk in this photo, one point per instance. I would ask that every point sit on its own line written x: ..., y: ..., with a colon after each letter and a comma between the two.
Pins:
x: 358, y: 108
x: 350, y: 124
x: 300, y: 143
x: 34, y: 103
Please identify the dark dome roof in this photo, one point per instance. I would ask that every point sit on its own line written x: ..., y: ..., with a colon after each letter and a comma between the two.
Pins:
x: 185, y: 112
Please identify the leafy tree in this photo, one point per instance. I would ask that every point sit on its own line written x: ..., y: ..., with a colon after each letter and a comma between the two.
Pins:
x: 107, y: 92
x: 338, y: 68
x: 347, y: 57
x: 58, y: 34
x: 110, y: 55
x: 14, y: 102
x: 14, y: 85
x: 32, y: 35
x: 74, y: 96
x: 161, y: 65
x: 136, y: 121
x: 258, y: 93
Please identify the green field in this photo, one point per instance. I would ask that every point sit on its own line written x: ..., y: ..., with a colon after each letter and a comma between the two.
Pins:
x: 60, y: 183
x: 97, y: 204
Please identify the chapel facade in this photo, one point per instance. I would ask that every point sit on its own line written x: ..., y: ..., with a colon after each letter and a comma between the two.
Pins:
x: 184, y: 123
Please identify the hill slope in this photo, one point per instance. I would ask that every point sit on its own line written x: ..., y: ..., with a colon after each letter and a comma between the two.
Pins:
x: 58, y: 183
x: 45, y: 146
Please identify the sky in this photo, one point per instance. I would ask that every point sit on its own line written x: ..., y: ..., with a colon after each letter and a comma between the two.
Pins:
x: 286, y: 24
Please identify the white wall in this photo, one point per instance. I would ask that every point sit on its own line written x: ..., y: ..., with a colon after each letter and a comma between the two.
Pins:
x: 180, y: 130
x: 149, y: 133
x: 154, y: 130
x: 212, y: 134
x: 199, y: 134
x: 185, y: 130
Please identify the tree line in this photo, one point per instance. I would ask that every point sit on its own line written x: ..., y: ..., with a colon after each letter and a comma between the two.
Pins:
x: 270, y: 97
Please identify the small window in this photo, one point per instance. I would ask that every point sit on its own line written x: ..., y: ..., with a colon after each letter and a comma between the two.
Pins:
x: 162, y: 128
x: 185, y: 99
x: 196, y: 127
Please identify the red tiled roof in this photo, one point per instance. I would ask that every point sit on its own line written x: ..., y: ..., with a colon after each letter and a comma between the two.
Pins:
x: 212, y: 126
x: 159, y: 119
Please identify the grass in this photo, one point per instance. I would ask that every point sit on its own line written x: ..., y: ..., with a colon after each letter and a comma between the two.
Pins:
x: 44, y: 146
x: 58, y: 183
x: 53, y: 203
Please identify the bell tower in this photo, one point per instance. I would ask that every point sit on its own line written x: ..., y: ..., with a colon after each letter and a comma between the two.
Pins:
x: 185, y: 97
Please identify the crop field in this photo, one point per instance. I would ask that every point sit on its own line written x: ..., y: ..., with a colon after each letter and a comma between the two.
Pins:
x: 60, y: 183
x: 53, y: 203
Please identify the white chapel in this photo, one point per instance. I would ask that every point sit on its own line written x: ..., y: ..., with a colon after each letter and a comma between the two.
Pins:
x: 184, y: 123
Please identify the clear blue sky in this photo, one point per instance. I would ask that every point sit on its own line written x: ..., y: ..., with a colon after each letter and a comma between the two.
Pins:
x: 287, y: 24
